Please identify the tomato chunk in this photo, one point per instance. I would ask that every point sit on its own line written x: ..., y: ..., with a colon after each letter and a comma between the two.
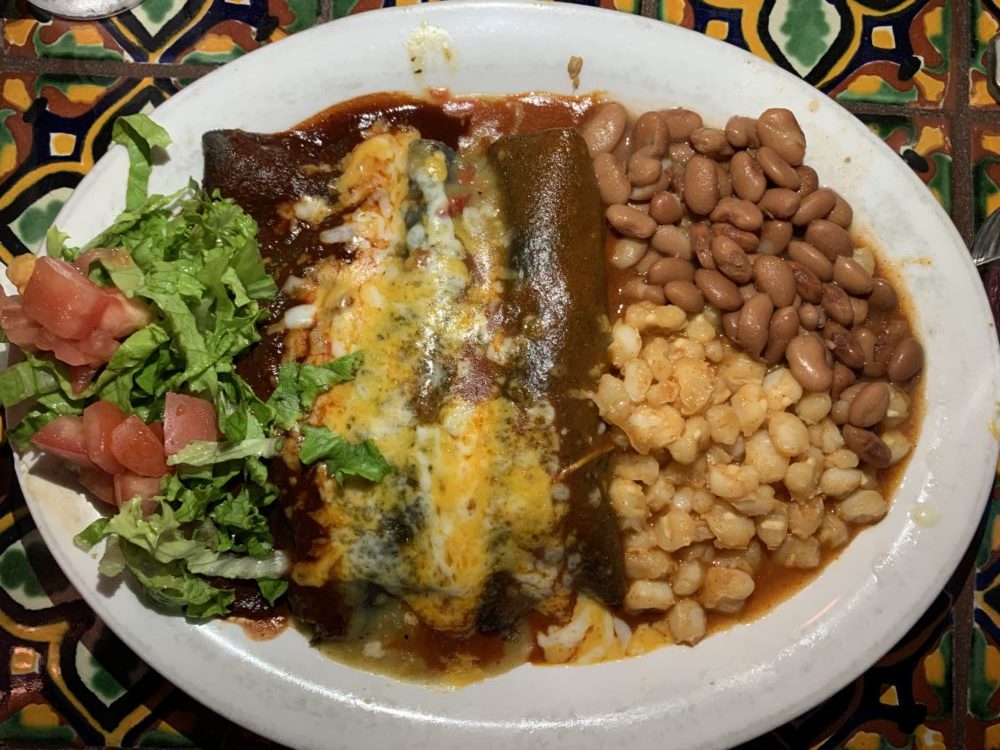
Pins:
x: 138, y: 449
x: 99, y: 421
x: 64, y: 437
x: 80, y: 376
x: 100, y: 483
x: 129, y: 485
x: 63, y: 300
x: 123, y: 317
x: 186, y: 419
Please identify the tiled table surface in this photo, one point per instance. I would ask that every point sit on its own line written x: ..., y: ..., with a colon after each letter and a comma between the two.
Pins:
x: 912, y: 70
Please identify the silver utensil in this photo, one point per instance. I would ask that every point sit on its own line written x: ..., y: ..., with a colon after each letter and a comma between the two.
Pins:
x: 85, y: 9
x: 986, y: 244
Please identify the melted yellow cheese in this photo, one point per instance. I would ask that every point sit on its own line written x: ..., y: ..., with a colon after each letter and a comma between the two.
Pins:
x: 472, y: 490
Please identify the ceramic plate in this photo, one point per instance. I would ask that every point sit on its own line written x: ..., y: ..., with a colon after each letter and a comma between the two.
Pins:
x: 731, y: 686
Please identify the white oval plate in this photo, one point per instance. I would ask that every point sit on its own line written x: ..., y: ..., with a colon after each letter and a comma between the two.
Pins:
x: 731, y: 686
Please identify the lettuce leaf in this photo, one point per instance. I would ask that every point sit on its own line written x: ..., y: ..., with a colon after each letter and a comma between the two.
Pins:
x: 343, y: 458
x: 139, y: 135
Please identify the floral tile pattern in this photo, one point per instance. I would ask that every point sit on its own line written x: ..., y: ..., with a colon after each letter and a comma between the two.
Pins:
x: 66, y: 680
x: 855, y: 50
x: 984, y: 25
x: 165, y: 31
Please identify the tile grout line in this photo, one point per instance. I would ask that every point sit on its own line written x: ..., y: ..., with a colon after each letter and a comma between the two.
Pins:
x: 325, y: 10
x: 109, y: 68
x: 962, y: 215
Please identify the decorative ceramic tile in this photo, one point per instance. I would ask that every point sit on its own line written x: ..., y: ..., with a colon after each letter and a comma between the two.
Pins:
x: 985, y: 170
x: 54, y: 128
x: 924, y: 143
x: 168, y: 31
x: 983, y: 720
x: 342, y: 8
x: 855, y: 50
x: 984, y: 25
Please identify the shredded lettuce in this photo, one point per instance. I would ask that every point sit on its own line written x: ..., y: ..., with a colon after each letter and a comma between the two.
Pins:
x: 299, y: 385
x: 139, y: 135
x: 342, y: 457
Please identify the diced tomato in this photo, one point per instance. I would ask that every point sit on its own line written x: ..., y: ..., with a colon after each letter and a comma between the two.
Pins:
x: 64, y: 437
x: 99, y: 345
x: 123, y: 317
x: 63, y: 300
x: 138, y: 449
x: 63, y: 350
x: 129, y: 485
x: 100, y: 483
x: 99, y: 421
x: 80, y: 377
x: 157, y: 427
x: 185, y: 419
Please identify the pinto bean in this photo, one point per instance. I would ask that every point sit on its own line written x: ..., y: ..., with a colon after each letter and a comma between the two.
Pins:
x: 740, y: 213
x: 747, y: 240
x: 754, y: 322
x: 637, y: 289
x: 626, y: 252
x: 680, y: 153
x: 630, y: 221
x: 730, y: 326
x: 860, y: 310
x: 906, y: 361
x: 604, y: 127
x: 685, y: 295
x: 807, y: 361
x: 811, y: 317
x: 868, y: 446
x: 672, y: 241
x: 741, y: 132
x: 837, y: 304
x: 778, y: 129
x: 666, y: 208
x: 701, y: 244
x: 843, y: 377
x: 830, y: 239
x: 883, y: 296
x: 680, y: 122
x: 774, y: 277
x: 774, y: 237
x: 866, y: 340
x: 725, y: 184
x: 809, y: 179
x: 731, y: 260
x: 808, y: 256
x: 844, y: 345
x: 644, y: 167
x: 666, y: 270
x: 842, y: 214
x: 870, y: 405
x: 807, y: 284
x: 778, y: 171
x: 642, y: 193
x: 711, y: 142
x: 747, y: 176
x: 718, y: 290
x: 612, y: 182
x: 701, y: 185
x: 779, y: 203
x: 814, y: 206
x: 851, y: 275
x: 784, y: 327
x: 651, y: 130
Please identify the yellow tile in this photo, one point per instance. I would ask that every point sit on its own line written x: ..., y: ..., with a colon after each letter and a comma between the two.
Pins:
x: 39, y: 716
x: 673, y: 11
x: 986, y: 27
x: 863, y: 741
x: 928, y: 739
x: 992, y: 664
x: 992, y: 738
x: 84, y: 93
x: 890, y: 697
x: 934, y: 22
x: 15, y: 92
x: 23, y: 660
x: 934, y: 669
x: 16, y: 32
x: 980, y: 95
x: 214, y: 43
x: 86, y: 35
x: 931, y: 139
x: 61, y: 144
x: 932, y: 88
x: 992, y: 143
x: 717, y: 29
x: 629, y: 6
x: 883, y: 37
x: 8, y: 157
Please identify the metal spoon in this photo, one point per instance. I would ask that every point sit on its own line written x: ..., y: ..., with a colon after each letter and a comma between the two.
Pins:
x: 986, y: 245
